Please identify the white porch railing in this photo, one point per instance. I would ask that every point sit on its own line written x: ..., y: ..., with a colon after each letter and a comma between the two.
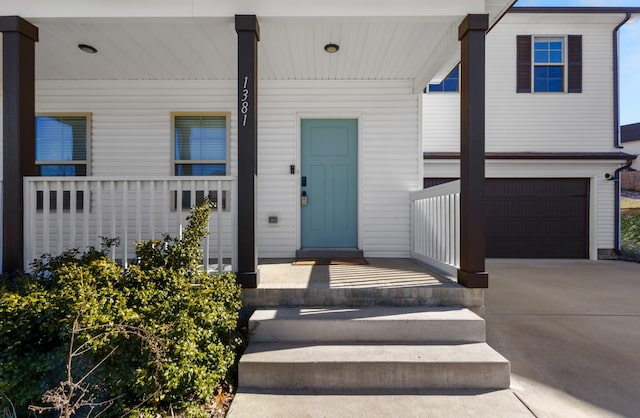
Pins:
x: 62, y: 213
x: 435, y: 226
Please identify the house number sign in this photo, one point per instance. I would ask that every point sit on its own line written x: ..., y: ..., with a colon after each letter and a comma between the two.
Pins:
x: 244, y: 101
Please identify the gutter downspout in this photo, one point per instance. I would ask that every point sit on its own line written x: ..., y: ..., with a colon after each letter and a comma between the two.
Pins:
x: 616, y: 203
x: 616, y: 133
x: 616, y: 83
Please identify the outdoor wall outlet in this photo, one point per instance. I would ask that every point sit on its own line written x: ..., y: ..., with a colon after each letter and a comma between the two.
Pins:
x: 273, y: 219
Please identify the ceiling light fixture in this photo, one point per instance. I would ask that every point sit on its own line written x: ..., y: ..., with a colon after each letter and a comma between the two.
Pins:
x: 87, y: 48
x: 331, y: 48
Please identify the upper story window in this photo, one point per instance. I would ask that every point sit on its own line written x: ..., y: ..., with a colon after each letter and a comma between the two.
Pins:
x: 62, y: 144
x: 549, y: 64
x: 201, y: 144
x: 548, y: 61
x: 450, y: 83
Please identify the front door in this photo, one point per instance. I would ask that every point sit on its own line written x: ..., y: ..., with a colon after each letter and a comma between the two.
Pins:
x: 329, y: 173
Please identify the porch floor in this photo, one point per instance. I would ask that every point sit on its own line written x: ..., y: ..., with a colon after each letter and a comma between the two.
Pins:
x: 384, y: 281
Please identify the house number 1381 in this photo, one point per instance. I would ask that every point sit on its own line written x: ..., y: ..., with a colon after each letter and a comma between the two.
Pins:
x: 244, y: 103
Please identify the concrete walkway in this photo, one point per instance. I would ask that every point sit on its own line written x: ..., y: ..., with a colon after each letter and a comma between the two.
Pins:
x: 571, y: 330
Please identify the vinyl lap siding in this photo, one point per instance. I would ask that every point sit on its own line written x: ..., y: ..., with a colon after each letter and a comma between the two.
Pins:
x: 535, y: 122
x: 131, y: 137
x: 549, y: 122
x: 131, y: 120
x: 388, y: 154
x: 441, y: 122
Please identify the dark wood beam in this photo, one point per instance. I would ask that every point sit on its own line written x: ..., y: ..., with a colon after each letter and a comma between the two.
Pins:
x: 248, y: 31
x: 19, y: 156
x: 471, y: 34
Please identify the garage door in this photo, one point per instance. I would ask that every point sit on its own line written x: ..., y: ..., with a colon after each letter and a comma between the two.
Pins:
x: 537, y: 218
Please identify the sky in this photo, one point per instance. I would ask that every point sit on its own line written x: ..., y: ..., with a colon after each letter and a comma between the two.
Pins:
x: 629, y: 53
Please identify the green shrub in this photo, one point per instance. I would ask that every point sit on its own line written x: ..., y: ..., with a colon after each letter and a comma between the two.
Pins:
x: 157, y: 335
x: 630, y: 233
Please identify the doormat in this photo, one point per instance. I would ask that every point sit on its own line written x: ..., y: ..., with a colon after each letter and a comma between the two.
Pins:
x: 358, y: 261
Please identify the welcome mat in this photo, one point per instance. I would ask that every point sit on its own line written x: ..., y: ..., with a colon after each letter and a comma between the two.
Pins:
x: 358, y: 261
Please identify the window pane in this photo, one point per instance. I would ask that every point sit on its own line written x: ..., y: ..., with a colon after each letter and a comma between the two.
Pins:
x: 62, y: 170
x: 548, y: 50
x: 201, y: 138
x: 555, y: 56
x: 541, y: 56
x: 61, y: 138
x: 201, y: 169
x: 450, y: 83
x: 548, y: 78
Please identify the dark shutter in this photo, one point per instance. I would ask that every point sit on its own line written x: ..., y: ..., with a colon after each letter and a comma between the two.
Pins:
x: 523, y: 64
x: 575, y: 63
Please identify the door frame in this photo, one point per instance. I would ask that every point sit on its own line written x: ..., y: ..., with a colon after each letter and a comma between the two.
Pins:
x: 298, y: 155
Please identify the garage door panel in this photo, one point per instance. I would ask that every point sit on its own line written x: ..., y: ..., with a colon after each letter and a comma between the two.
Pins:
x: 537, y: 218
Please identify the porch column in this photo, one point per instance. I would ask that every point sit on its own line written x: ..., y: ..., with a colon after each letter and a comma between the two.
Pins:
x: 19, y: 144
x: 248, y: 31
x: 471, y: 34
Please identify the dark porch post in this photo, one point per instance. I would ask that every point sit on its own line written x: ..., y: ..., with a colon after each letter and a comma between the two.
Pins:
x: 19, y: 144
x: 248, y: 31
x: 471, y: 33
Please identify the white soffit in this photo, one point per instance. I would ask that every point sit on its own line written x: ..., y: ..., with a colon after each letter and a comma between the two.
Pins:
x: 196, y: 39
x: 218, y: 8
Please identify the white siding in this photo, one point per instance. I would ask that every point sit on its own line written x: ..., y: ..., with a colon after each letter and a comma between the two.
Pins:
x: 131, y: 136
x: 601, y: 222
x: 131, y: 120
x: 389, y: 159
x: 441, y: 122
x: 535, y: 122
x: 550, y: 122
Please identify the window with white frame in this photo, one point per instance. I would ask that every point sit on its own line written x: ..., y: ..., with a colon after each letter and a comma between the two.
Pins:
x: 62, y: 149
x: 62, y: 143
x: 200, y: 144
x: 549, y: 64
x: 201, y: 148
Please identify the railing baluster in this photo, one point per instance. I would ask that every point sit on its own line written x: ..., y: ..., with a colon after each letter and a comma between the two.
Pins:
x: 113, y: 216
x: 59, y: 227
x: 219, y: 227
x: 436, y: 226
x: 62, y: 213
x: 72, y: 213
x: 152, y: 209
x: 206, y: 243
x: 86, y: 212
x: 166, y: 204
x: 138, y: 210
x: 125, y: 223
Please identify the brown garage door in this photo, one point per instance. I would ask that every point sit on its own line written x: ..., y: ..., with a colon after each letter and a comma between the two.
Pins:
x: 537, y: 218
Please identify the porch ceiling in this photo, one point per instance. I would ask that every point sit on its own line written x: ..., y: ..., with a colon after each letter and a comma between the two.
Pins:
x: 417, y: 48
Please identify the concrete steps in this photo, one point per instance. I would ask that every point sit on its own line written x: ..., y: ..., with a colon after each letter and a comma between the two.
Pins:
x: 372, y: 324
x: 344, y: 368
x: 378, y: 349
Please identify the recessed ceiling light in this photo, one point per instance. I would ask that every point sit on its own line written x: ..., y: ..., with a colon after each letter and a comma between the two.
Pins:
x: 87, y: 48
x: 331, y: 48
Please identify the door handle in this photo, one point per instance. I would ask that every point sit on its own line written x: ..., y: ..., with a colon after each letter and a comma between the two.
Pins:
x: 304, y: 201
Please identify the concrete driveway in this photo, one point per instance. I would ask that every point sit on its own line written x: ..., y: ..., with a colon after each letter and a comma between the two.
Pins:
x: 571, y: 330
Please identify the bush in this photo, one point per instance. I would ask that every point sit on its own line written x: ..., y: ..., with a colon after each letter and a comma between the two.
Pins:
x: 630, y: 234
x: 92, y: 336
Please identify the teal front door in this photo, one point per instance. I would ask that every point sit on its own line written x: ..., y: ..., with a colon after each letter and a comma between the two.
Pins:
x: 329, y: 173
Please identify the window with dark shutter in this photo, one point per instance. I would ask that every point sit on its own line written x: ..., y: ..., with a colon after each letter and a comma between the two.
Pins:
x: 523, y: 45
x: 574, y: 43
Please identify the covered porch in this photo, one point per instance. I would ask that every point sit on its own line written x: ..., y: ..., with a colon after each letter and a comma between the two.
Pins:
x: 52, y: 214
